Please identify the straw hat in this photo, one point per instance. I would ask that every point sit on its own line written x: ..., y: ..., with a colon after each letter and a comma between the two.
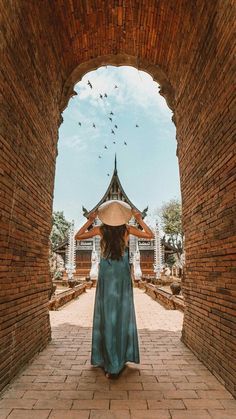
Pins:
x: 114, y: 212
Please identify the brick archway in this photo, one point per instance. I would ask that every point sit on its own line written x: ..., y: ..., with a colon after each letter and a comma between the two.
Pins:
x: 155, y: 71
x: 188, y: 48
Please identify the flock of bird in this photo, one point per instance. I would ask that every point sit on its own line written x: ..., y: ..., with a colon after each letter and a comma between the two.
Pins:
x: 110, y: 117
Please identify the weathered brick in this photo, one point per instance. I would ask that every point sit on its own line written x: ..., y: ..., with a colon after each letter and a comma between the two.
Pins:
x: 69, y: 414
x: 29, y: 414
x: 128, y: 404
x: 90, y: 404
x: 108, y: 414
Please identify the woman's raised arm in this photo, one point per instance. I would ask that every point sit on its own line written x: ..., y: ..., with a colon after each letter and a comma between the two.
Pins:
x: 146, y: 233
x: 83, y: 233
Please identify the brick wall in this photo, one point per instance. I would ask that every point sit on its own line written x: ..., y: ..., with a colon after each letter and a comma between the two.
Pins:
x: 29, y: 120
x: 207, y: 157
x: 187, y: 47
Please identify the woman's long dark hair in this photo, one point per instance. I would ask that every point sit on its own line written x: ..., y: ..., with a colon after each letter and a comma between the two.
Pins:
x: 113, y: 241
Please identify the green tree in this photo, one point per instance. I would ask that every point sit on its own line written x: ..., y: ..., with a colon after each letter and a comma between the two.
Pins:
x: 60, y: 227
x: 171, y: 213
x: 170, y: 261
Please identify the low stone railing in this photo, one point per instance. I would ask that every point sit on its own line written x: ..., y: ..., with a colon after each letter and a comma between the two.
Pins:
x: 165, y: 298
x: 58, y: 300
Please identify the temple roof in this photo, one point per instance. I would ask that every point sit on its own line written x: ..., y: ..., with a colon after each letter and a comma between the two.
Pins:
x: 114, y: 191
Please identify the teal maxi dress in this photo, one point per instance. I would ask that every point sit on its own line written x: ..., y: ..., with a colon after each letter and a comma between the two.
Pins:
x: 114, y: 335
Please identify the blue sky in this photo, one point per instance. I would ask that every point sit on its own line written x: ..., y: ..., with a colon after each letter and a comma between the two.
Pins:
x: 147, y: 166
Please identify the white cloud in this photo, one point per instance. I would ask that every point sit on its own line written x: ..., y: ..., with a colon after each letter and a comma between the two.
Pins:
x: 136, y: 92
x: 141, y: 88
x: 134, y: 86
x: 74, y: 142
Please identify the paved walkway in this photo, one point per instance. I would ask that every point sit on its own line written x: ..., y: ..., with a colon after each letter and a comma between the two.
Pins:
x: 169, y: 383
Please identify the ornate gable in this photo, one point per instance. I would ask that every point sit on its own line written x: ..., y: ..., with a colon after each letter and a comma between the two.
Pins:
x: 114, y: 191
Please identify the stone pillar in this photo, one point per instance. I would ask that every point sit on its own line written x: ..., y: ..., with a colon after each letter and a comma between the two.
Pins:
x: 94, y: 263
x: 157, y: 253
x: 97, y: 240
x: 136, y: 264
x: 132, y: 243
x: 70, y: 254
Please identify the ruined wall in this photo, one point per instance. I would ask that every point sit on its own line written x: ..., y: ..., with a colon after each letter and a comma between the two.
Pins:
x: 188, y: 47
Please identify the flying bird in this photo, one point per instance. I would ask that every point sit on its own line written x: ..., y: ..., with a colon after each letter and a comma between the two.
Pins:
x: 114, y: 142
x: 116, y: 126
x: 111, y: 113
x: 113, y: 132
x: 80, y: 124
x: 105, y: 95
x: 108, y: 174
x: 125, y: 143
x: 105, y: 147
x: 94, y: 126
x: 90, y: 84
x: 101, y: 96
x: 99, y: 157
x: 110, y: 119
x: 116, y: 87
x: 137, y: 126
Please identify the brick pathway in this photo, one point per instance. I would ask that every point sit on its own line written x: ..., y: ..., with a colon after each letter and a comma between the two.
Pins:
x: 169, y: 383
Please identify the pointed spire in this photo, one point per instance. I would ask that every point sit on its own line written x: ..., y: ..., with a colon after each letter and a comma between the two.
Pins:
x: 115, y: 169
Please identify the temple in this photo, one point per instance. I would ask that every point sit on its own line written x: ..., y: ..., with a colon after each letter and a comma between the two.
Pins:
x: 141, y: 249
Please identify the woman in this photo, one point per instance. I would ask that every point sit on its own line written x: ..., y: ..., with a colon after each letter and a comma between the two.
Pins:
x: 114, y: 339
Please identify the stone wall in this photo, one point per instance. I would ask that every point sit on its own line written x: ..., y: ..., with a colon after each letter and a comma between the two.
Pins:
x: 188, y: 47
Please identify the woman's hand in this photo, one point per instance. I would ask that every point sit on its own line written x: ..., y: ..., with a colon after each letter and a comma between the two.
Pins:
x: 93, y: 215
x: 136, y: 214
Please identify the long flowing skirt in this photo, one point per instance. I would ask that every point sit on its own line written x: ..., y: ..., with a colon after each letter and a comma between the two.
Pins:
x: 114, y: 337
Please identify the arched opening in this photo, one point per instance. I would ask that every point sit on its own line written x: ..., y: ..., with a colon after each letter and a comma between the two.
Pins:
x: 193, y: 45
x: 155, y: 71
x: 131, y: 100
